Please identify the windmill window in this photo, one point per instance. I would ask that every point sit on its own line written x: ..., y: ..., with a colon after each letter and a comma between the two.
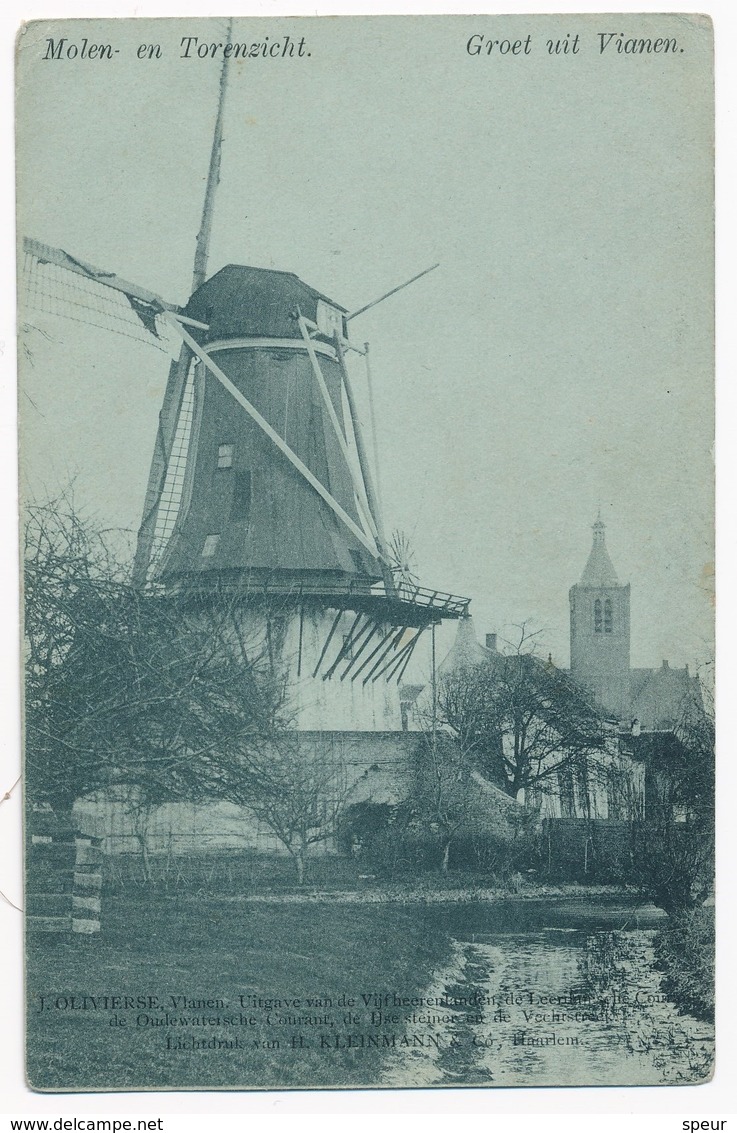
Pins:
x: 608, y: 617
x: 597, y: 616
x: 225, y: 456
x: 210, y: 546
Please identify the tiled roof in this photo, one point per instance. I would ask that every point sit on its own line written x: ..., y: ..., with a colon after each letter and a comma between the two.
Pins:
x: 465, y: 649
x: 658, y: 696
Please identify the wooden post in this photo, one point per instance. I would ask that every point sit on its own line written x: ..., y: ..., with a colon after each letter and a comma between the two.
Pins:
x: 371, y: 496
x: 358, y: 485
x: 372, y: 413
x: 434, y: 690
x: 394, y: 290
x: 213, y: 179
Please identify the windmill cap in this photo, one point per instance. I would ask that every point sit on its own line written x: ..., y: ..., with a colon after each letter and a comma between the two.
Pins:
x: 249, y: 302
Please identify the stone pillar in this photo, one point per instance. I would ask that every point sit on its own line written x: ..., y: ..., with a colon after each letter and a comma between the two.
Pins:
x: 63, y: 876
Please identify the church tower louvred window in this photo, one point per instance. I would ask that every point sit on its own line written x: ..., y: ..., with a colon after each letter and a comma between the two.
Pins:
x: 608, y: 617
x: 597, y: 616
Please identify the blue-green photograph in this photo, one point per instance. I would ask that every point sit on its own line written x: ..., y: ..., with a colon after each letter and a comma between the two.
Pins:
x: 366, y: 423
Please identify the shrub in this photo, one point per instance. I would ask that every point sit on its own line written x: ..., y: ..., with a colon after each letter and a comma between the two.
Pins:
x: 685, y: 955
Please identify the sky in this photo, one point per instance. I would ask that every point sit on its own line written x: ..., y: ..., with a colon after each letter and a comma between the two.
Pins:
x: 558, y: 361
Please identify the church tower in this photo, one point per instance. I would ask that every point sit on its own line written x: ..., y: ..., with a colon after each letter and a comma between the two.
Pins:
x: 600, y: 629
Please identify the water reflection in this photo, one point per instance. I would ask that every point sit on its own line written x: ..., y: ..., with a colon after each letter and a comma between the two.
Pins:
x: 558, y: 1006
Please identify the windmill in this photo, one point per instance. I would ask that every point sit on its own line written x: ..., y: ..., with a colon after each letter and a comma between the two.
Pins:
x: 260, y: 485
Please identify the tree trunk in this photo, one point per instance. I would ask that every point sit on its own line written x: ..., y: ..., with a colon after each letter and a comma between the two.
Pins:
x: 299, y: 861
x: 141, y: 818
x: 446, y: 857
x: 145, y: 858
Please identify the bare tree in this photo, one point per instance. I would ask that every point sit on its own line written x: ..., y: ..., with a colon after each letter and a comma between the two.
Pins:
x: 166, y: 695
x: 159, y: 695
x: 521, y: 721
x: 442, y: 798
x: 624, y: 787
x: 298, y: 792
x: 70, y: 583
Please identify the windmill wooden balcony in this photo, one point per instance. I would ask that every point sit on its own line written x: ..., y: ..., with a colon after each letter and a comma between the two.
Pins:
x: 416, y: 605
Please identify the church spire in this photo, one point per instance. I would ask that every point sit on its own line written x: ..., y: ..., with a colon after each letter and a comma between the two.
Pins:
x: 599, y: 570
x: 599, y: 528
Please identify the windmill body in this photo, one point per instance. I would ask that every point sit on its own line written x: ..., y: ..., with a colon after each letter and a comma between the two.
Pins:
x: 227, y: 513
x: 264, y: 522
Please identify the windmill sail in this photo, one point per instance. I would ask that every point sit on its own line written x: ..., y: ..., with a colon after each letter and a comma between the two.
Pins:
x: 54, y: 282
x: 166, y: 480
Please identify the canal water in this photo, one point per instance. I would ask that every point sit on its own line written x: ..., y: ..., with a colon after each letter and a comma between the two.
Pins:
x: 553, y: 994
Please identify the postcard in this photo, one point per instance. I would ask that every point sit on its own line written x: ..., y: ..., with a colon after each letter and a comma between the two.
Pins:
x: 366, y: 404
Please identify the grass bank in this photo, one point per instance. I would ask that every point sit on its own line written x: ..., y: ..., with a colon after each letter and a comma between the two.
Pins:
x: 436, y: 891
x: 684, y: 952
x: 331, y: 877
x: 185, y: 962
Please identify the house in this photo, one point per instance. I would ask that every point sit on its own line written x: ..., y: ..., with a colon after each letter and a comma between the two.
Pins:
x: 640, y: 709
x: 586, y: 774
